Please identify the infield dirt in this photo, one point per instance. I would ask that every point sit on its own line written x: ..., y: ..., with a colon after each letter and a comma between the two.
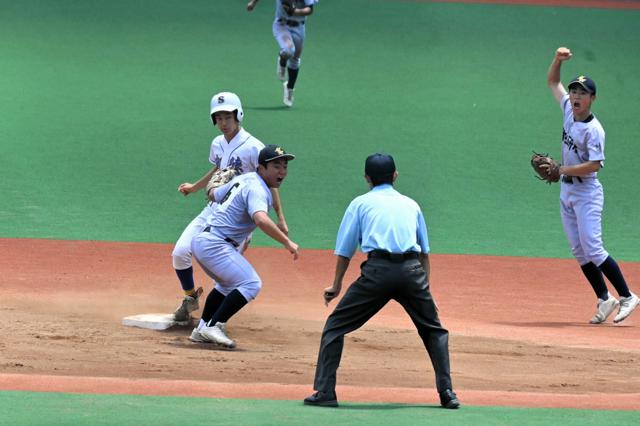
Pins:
x: 517, y: 338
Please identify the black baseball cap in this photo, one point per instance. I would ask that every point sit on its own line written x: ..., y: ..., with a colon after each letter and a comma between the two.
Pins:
x: 587, y: 83
x: 379, y: 166
x: 273, y: 152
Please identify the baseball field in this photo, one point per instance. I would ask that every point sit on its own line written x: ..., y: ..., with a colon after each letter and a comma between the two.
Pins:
x: 105, y: 112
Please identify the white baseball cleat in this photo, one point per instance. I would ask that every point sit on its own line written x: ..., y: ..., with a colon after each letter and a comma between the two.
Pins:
x: 280, y: 70
x: 217, y: 334
x: 197, y: 337
x: 287, y: 97
x: 605, y: 308
x: 627, y: 305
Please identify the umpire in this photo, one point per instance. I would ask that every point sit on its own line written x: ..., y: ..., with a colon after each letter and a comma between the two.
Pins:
x: 391, y: 229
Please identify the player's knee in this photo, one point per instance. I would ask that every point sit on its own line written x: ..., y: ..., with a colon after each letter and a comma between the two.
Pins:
x: 598, y: 257
x: 578, y: 254
x: 181, y: 257
x: 288, y: 53
x: 250, y: 290
x: 580, y: 258
x: 294, y: 63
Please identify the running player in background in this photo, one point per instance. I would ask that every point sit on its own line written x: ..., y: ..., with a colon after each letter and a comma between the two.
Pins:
x: 581, y: 194
x: 289, y: 32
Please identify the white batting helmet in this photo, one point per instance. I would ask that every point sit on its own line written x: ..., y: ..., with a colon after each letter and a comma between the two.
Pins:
x: 226, y: 101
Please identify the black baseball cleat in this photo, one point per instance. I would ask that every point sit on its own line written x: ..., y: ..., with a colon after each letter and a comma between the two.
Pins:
x: 448, y: 399
x: 322, y: 399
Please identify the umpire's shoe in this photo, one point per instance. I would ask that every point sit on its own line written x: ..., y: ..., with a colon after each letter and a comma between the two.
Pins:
x: 188, y: 305
x: 448, y: 399
x: 322, y: 399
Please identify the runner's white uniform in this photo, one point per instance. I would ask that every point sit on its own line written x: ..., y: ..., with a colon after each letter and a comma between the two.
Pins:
x: 289, y: 32
x: 231, y: 223
x: 242, y: 154
x: 582, y: 198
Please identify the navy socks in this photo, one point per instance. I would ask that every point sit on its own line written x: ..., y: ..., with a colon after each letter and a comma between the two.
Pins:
x: 214, y: 300
x: 228, y: 308
x: 612, y: 271
x: 186, y: 278
x: 293, y: 76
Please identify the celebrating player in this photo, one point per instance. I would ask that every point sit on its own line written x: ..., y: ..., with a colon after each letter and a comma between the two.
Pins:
x: 581, y: 194
x: 241, y: 205
x: 288, y: 30
x: 235, y: 148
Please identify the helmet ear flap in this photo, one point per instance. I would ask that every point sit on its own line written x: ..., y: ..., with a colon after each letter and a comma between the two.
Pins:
x: 238, y: 114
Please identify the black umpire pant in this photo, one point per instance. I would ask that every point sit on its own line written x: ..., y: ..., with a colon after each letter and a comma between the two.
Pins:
x: 380, y: 281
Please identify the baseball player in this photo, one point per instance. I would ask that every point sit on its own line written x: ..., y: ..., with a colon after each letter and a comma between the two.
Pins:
x: 241, y: 205
x: 581, y: 194
x: 288, y: 30
x: 234, y: 148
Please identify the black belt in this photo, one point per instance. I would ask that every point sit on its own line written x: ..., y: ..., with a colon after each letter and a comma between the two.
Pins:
x: 290, y: 22
x: 394, y: 257
x: 227, y: 239
x: 569, y: 179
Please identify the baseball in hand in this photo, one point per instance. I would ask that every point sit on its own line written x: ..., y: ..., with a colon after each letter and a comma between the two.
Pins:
x: 563, y: 53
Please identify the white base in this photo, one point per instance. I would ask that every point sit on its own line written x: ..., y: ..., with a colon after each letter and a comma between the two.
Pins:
x: 152, y: 321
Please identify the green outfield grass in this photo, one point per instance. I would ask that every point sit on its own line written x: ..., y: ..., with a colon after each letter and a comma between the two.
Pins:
x: 22, y: 408
x: 105, y: 112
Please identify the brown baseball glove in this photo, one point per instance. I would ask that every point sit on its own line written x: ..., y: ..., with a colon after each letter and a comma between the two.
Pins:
x: 546, y: 168
x: 220, y: 177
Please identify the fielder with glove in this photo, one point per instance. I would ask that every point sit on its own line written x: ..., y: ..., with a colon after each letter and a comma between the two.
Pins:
x: 581, y: 193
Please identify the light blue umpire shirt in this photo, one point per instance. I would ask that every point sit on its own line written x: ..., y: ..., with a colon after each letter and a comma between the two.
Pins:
x: 382, y: 219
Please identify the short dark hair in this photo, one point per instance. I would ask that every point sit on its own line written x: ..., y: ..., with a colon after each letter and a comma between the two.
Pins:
x: 380, y: 168
x: 381, y: 180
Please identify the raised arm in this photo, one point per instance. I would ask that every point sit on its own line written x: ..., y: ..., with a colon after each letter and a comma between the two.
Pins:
x: 553, y: 75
